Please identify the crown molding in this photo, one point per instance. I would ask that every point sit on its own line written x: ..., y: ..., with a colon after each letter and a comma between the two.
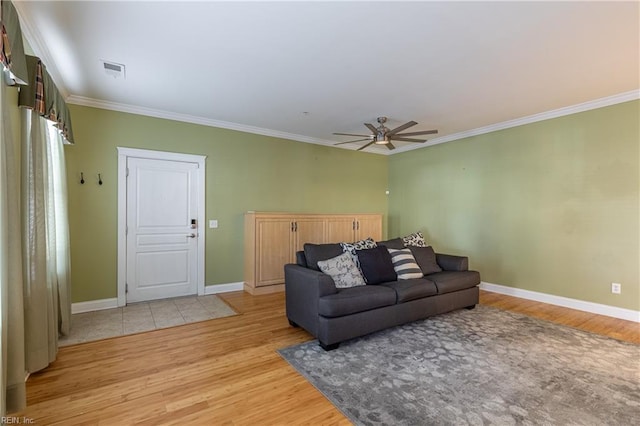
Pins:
x: 560, y: 112
x: 193, y: 119
x: 39, y: 47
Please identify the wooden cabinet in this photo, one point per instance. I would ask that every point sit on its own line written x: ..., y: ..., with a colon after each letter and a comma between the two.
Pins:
x: 273, y: 249
x: 344, y: 228
x: 272, y: 239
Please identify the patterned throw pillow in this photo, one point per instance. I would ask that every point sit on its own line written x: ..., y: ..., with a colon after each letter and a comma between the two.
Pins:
x: 352, y: 248
x: 416, y: 240
x: 358, y: 245
x: 343, y: 270
x: 405, y: 264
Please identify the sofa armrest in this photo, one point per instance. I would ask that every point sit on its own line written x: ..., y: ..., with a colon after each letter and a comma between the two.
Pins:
x: 313, y: 282
x: 303, y: 289
x: 449, y: 262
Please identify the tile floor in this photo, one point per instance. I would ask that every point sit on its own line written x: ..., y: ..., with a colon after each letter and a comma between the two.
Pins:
x: 144, y: 316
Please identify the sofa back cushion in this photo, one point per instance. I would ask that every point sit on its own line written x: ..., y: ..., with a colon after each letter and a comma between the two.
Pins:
x: 426, y: 259
x: 301, y: 259
x: 395, y: 243
x: 316, y: 252
x: 376, y: 265
x: 405, y: 264
x: 343, y: 270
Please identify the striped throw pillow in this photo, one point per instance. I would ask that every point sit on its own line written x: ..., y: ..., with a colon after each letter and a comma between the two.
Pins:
x: 405, y: 264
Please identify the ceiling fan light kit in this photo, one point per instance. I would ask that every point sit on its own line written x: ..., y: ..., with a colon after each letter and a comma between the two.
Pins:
x: 381, y: 140
x: 382, y: 135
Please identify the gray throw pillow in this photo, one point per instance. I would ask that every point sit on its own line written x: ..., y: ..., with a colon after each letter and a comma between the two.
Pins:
x: 405, y: 264
x: 426, y: 259
x: 343, y: 270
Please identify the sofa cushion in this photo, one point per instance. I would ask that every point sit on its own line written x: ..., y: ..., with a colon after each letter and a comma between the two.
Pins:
x: 343, y: 270
x: 316, y: 252
x: 450, y: 281
x: 376, y: 265
x: 395, y: 243
x: 405, y: 264
x: 412, y: 289
x: 416, y: 239
x: 426, y: 259
x: 356, y: 299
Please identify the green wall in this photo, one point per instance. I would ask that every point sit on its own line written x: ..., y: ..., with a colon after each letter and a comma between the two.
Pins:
x: 244, y: 172
x: 551, y: 207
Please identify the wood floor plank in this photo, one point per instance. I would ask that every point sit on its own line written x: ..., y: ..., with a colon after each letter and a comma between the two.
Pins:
x: 222, y: 371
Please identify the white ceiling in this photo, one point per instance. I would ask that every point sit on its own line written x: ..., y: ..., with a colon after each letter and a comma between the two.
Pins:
x: 303, y: 70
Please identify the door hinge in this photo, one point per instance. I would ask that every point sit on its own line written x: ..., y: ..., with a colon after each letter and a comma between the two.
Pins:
x: 126, y: 288
x: 127, y: 174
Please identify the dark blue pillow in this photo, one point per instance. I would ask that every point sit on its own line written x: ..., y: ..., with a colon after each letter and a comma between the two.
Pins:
x: 376, y: 265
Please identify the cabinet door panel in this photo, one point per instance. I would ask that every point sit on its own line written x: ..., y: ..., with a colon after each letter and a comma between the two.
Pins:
x: 369, y: 226
x: 273, y: 250
x: 340, y: 229
x: 308, y: 231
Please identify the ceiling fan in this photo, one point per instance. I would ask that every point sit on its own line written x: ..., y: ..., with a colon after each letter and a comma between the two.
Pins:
x: 382, y: 135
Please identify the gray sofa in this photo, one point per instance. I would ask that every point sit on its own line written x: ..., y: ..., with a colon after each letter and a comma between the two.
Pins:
x: 334, y: 315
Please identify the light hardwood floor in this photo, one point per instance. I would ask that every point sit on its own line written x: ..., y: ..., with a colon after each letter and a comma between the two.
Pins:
x: 223, y: 371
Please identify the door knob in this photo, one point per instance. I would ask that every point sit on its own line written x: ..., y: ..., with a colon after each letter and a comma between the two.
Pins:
x: 191, y: 236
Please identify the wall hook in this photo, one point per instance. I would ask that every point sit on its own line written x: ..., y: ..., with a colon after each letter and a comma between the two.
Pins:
x: 81, y: 178
x: 99, y: 179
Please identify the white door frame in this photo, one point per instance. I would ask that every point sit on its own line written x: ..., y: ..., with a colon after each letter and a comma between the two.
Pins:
x: 123, y: 155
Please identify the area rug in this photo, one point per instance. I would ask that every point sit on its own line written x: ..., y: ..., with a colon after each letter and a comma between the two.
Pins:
x: 144, y: 316
x: 483, y: 366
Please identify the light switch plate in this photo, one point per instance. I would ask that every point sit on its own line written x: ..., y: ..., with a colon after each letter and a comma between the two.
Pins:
x: 213, y: 223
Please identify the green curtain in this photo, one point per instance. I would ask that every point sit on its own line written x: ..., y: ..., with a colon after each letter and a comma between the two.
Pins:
x: 14, y: 371
x: 42, y: 96
x: 12, y: 50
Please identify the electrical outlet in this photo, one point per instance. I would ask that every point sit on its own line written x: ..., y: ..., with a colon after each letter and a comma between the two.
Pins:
x: 616, y: 288
x: 213, y: 223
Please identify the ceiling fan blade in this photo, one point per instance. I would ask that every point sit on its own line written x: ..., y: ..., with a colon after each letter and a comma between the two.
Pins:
x: 364, y: 146
x: 425, y: 132
x: 408, y: 139
x: 351, y: 134
x: 390, y: 145
x: 371, y: 127
x: 401, y: 128
x: 357, y: 140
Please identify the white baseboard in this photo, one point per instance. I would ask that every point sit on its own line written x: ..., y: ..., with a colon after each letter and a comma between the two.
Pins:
x: 94, y: 305
x: 223, y: 288
x: 98, y: 305
x: 580, y: 305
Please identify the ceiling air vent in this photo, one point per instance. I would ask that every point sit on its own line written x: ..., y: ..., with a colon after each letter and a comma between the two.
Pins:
x: 113, y: 69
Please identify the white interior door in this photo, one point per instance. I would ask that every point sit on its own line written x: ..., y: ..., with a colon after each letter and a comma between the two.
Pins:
x: 161, y: 240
